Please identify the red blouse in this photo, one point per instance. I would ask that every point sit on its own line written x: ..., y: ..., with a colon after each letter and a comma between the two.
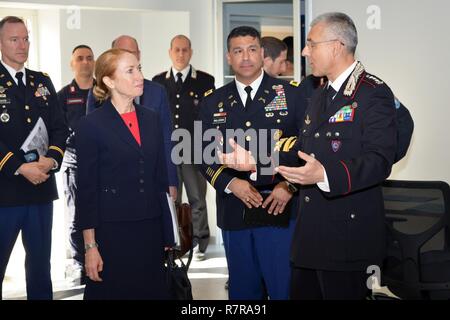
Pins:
x: 131, y: 122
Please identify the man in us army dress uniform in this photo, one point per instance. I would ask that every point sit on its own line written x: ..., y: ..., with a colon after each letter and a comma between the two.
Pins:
x: 27, y: 181
x: 73, y: 100
x: 257, y: 251
x: 347, y: 148
x: 186, y: 86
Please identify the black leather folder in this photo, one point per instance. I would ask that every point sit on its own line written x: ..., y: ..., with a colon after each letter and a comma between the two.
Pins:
x: 259, y: 217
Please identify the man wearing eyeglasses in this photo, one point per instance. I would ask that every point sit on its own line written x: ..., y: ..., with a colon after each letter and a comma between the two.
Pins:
x: 346, y: 149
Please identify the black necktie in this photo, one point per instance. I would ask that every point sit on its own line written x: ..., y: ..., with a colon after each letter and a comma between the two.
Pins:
x: 248, y: 102
x: 330, y: 95
x: 19, y: 77
x: 179, y: 82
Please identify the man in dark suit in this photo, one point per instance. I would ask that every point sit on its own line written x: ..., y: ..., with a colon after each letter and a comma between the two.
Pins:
x: 263, y: 109
x: 155, y: 98
x: 27, y: 100
x: 186, y: 86
x: 347, y: 147
x: 72, y: 99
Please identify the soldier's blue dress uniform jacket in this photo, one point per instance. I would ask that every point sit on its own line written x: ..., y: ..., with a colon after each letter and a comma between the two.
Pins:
x: 185, y: 104
x: 355, y: 139
x: 18, y: 116
x: 223, y: 109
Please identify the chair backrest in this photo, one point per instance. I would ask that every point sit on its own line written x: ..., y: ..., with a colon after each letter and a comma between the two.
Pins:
x: 418, y: 223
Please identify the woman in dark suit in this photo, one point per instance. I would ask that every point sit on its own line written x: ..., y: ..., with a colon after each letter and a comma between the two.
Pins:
x: 121, y: 203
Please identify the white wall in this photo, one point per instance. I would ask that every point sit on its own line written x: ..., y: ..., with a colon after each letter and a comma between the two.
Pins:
x: 411, y: 54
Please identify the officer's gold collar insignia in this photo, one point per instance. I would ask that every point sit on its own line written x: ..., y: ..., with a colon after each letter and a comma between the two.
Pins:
x: 2, y: 75
x: 207, y: 93
x: 294, y: 83
x: 32, y: 83
x: 9, y: 83
x: 353, y: 80
x: 266, y: 91
x: 31, y: 76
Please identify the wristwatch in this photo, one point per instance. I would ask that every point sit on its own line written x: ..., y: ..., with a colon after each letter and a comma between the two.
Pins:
x: 292, y: 188
x: 88, y: 246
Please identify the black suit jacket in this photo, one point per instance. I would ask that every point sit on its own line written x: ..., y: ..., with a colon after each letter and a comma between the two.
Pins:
x: 118, y: 180
x: 223, y: 110
x: 344, y: 229
x: 185, y: 104
x: 18, y: 116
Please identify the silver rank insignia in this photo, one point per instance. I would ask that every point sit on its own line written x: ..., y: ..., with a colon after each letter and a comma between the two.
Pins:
x: 2, y: 89
x: 262, y: 100
x: 4, y: 117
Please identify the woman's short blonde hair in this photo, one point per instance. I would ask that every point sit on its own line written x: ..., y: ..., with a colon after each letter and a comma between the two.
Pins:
x: 106, y: 66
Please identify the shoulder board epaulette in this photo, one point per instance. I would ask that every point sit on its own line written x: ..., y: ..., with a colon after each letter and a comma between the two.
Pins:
x: 207, y: 93
x: 374, y: 79
x: 294, y: 83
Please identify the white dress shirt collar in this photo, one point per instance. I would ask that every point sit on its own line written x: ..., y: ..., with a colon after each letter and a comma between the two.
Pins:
x: 255, y: 86
x: 337, y: 84
x: 13, y: 72
x: 184, y: 73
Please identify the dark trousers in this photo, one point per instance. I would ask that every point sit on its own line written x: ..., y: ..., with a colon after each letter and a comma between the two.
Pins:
x: 75, y: 236
x: 196, y: 192
x: 311, y: 284
x: 35, y: 222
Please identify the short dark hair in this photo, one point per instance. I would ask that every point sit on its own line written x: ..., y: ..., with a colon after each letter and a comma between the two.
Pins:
x: 81, y: 46
x: 289, y: 41
x: 243, y: 31
x: 273, y: 47
x: 10, y: 19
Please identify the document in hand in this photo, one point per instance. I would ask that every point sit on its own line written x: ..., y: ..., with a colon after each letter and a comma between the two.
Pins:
x: 173, y: 214
x: 37, y: 139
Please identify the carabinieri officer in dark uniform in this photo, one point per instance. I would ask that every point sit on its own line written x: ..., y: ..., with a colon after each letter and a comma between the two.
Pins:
x: 257, y: 251
x: 73, y: 100
x: 186, y: 87
x: 347, y: 145
x: 27, y: 181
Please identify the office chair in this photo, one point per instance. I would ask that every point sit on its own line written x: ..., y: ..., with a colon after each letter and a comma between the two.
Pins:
x: 417, y: 265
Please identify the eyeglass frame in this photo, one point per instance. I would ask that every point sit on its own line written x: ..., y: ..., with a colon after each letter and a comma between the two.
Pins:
x: 312, y: 44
